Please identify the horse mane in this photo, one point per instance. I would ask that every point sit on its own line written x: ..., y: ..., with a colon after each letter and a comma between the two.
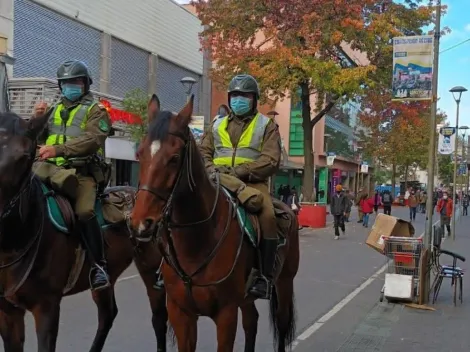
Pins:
x: 10, y: 123
x: 160, y: 126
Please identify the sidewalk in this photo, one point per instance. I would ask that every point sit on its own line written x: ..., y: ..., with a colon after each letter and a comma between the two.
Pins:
x: 363, y: 324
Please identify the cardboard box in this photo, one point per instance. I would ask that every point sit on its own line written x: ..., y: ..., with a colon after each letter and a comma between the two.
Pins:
x: 388, y: 226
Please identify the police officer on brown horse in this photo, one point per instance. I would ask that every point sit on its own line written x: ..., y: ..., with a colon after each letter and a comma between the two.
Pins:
x: 73, y: 142
x: 247, y: 145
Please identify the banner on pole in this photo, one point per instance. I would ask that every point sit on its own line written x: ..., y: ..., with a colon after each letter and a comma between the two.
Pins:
x: 364, y: 167
x: 412, y: 67
x: 446, y: 143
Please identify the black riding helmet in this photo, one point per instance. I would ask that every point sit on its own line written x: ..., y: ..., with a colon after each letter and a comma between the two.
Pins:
x: 74, y: 69
x: 244, y: 83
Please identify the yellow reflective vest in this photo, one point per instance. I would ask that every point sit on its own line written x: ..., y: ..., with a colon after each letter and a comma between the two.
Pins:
x: 62, y: 129
x: 249, y: 146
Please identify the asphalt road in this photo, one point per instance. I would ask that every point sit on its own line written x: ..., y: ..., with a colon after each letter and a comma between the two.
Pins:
x: 329, y: 271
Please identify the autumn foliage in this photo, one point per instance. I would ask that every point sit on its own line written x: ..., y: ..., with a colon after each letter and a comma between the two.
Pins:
x: 287, y: 44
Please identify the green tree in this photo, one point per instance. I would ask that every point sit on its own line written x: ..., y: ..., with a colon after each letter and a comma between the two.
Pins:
x: 445, y: 168
x: 135, y: 102
x: 287, y: 44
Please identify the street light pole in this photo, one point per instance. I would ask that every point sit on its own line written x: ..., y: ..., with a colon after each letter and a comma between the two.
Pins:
x: 188, y: 83
x: 464, y: 159
x: 457, y: 93
x: 432, y: 143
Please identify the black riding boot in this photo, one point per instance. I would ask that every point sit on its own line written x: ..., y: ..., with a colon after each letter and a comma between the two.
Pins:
x: 91, y: 232
x: 262, y: 285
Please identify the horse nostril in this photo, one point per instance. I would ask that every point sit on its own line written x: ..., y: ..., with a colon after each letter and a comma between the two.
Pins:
x: 148, y: 223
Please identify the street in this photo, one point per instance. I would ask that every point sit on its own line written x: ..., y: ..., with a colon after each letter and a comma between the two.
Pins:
x: 329, y: 271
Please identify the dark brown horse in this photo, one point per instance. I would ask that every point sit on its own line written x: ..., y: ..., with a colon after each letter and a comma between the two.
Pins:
x: 208, y: 259
x: 37, y: 260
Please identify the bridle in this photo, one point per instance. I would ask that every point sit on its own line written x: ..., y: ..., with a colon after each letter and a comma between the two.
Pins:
x: 186, y: 155
x: 166, y: 225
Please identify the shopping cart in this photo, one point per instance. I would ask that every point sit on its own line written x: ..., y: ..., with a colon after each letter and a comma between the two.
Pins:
x: 403, y: 257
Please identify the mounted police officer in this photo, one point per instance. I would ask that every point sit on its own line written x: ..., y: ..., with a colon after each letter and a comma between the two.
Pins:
x: 247, y: 145
x: 75, y: 136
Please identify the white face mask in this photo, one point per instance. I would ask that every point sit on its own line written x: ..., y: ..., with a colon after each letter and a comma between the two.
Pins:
x: 444, y: 197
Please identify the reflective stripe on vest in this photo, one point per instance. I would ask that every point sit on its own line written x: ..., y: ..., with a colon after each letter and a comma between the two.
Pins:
x: 59, y: 131
x: 249, y: 146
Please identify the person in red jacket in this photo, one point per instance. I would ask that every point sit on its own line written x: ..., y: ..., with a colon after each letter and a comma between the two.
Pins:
x: 445, y: 208
x: 367, y: 205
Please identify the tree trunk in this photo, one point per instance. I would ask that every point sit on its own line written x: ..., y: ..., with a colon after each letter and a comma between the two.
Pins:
x: 394, y: 176
x: 308, y: 140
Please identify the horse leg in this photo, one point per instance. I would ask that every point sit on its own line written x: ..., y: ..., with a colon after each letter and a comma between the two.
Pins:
x: 226, y: 322
x: 46, y: 316
x: 12, y: 329
x: 157, y: 300
x: 283, y: 313
x: 184, y: 326
x: 105, y: 301
x: 250, y: 317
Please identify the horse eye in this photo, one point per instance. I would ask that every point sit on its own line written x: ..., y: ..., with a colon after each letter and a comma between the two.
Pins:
x: 174, y: 158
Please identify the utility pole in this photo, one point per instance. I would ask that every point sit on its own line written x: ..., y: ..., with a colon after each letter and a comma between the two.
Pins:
x: 432, y: 143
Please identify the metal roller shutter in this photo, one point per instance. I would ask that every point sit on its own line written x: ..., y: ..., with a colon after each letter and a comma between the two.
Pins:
x: 169, y: 88
x: 129, y: 68
x: 43, y: 39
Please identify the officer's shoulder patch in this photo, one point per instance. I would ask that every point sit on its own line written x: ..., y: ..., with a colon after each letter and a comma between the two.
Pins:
x: 103, y: 126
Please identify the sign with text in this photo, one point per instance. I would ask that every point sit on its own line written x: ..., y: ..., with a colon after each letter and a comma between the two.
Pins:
x: 446, y: 142
x: 412, y: 67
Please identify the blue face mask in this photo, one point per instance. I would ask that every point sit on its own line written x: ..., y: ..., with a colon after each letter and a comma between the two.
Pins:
x: 72, y: 91
x: 240, y: 105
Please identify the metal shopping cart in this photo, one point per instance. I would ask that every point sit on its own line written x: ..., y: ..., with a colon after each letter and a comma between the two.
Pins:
x: 403, y: 259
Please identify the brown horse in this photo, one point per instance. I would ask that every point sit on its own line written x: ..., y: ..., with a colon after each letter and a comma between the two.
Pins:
x: 37, y: 260
x: 208, y: 259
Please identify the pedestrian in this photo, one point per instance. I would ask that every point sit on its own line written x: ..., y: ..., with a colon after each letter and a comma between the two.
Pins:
x: 412, y: 204
x: 387, y: 201
x: 293, y: 201
x: 359, y: 196
x: 376, y: 201
x: 445, y: 208
x: 465, y: 204
x: 349, y: 203
x: 367, y: 206
x: 422, y: 202
x: 338, y: 210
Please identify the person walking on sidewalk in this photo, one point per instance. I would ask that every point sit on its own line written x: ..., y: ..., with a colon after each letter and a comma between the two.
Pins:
x: 294, y: 204
x: 413, y: 205
x: 376, y: 201
x: 338, y: 210
x: 422, y: 202
x: 445, y: 208
x: 367, y: 206
x: 359, y: 196
x: 349, y: 203
x: 465, y: 204
x: 387, y: 201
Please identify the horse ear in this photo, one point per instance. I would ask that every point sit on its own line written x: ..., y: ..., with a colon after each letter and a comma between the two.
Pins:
x: 187, y: 111
x: 37, y: 124
x: 153, y: 108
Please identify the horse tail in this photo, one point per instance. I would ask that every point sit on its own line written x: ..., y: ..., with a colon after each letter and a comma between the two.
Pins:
x: 283, y: 321
x: 171, y: 334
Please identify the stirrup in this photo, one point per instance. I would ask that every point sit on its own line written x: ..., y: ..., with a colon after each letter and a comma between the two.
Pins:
x: 254, y: 292
x: 98, y: 271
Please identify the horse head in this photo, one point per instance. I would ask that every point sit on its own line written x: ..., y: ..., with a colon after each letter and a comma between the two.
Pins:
x: 164, y: 154
x: 18, y: 149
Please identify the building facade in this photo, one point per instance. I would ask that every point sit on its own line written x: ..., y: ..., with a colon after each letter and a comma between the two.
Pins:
x: 148, y: 45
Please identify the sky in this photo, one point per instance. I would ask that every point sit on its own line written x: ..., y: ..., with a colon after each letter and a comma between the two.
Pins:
x: 454, y: 65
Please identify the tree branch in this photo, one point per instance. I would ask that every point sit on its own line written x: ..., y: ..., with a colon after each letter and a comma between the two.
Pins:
x: 323, y: 112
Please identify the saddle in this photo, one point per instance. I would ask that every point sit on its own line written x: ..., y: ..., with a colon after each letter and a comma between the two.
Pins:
x: 110, y: 210
x: 249, y: 222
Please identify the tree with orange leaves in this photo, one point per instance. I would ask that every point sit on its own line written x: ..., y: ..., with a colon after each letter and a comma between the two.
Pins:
x: 395, y: 133
x: 287, y: 44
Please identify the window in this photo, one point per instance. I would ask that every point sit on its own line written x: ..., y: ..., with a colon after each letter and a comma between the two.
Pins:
x: 296, y: 132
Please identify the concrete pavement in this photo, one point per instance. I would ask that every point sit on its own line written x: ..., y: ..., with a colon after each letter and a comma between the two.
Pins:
x: 366, y: 325
x: 330, y: 270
